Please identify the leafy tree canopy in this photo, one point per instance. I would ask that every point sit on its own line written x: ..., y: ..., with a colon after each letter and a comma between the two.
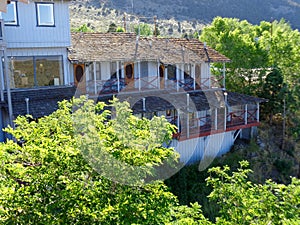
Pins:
x: 49, y: 176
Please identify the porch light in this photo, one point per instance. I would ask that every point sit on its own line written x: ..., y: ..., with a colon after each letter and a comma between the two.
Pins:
x: 225, y: 98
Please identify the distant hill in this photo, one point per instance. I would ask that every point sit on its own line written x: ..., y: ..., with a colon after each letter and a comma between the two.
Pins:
x: 176, y: 17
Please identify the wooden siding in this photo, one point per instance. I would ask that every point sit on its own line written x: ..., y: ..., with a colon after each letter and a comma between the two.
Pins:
x: 204, y: 148
x: 29, y: 35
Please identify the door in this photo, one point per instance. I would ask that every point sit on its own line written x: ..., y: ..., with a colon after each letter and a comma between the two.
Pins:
x: 129, y: 75
x: 198, y: 76
x: 162, y: 76
x: 79, y: 78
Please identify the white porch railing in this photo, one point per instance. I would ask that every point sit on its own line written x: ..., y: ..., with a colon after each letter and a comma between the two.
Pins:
x: 115, y: 85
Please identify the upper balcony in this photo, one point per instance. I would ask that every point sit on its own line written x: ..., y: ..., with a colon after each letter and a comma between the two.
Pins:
x: 114, y: 62
x: 152, y: 83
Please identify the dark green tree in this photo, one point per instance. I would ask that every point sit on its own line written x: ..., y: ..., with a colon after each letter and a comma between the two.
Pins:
x: 112, y: 28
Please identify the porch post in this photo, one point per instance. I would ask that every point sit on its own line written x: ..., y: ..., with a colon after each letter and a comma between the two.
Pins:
x: 246, y: 114
x: 193, y: 76
x: 216, y: 119
x: 225, y: 118
x: 95, y: 78
x: 122, y: 70
x: 118, y: 78
x: 257, y: 112
x: 158, y: 75
x: 166, y: 77
x: 224, y: 76
x: 178, y: 122
x: 188, y: 117
x: 225, y: 110
x: 139, y: 73
x: 177, y: 77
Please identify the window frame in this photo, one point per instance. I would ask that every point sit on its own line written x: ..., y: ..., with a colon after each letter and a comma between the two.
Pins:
x: 38, y: 18
x: 36, y: 76
x: 16, y: 18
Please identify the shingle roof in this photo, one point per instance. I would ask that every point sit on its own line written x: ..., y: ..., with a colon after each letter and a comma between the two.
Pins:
x: 199, y: 100
x: 88, y: 47
x: 42, y: 101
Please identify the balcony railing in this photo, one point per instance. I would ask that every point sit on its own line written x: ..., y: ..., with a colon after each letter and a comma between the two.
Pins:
x: 114, y: 85
x: 210, y: 124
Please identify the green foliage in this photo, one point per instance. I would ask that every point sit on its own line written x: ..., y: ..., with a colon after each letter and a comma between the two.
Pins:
x: 49, y: 176
x: 83, y: 28
x: 255, y: 51
x: 112, y: 28
x: 120, y: 29
x: 238, y: 40
x: 45, y: 179
x: 143, y: 29
x: 189, y: 215
x: 274, y: 90
x: 242, y: 202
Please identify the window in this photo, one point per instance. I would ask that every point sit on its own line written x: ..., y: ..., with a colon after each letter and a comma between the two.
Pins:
x: 171, y: 72
x: 11, y: 16
x: 45, y: 14
x: 36, y: 71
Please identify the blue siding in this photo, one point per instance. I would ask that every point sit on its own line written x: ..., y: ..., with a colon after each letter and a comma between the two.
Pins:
x: 29, y: 35
x: 204, y: 149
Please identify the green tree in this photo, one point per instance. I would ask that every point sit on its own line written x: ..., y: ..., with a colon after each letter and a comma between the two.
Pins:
x: 112, y: 28
x: 242, y: 202
x: 46, y: 179
x: 143, y: 29
x: 255, y: 50
x: 238, y: 40
x: 274, y: 90
x: 83, y: 28
x: 120, y: 29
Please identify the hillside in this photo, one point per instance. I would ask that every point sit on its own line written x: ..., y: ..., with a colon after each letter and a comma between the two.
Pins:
x: 176, y: 17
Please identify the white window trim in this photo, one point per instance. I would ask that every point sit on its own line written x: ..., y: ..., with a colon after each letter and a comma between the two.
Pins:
x: 15, y: 21
x: 39, y: 23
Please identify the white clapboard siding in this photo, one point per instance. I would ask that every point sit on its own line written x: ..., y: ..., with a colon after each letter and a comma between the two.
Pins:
x: 29, y: 35
x: 204, y: 148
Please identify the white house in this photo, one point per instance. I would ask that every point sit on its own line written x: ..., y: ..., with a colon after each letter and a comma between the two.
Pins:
x: 168, y: 77
x: 42, y: 63
x: 34, y: 71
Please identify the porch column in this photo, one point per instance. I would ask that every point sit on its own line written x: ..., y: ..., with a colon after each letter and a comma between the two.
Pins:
x: 188, y: 117
x: 177, y: 77
x: 225, y: 110
x: 216, y: 119
x: 257, y: 112
x: 178, y: 122
x: 209, y: 76
x: 193, y: 76
x: 118, y: 78
x: 166, y: 77
x: 225, y: 118
x: 187, y: 125
x: 246, y: 114
x: 224, y: 76
x: 95, y: 78
x: 122, y: 70
x: 87, y: 78
x: 158, y: 75
x: 139, y: 74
